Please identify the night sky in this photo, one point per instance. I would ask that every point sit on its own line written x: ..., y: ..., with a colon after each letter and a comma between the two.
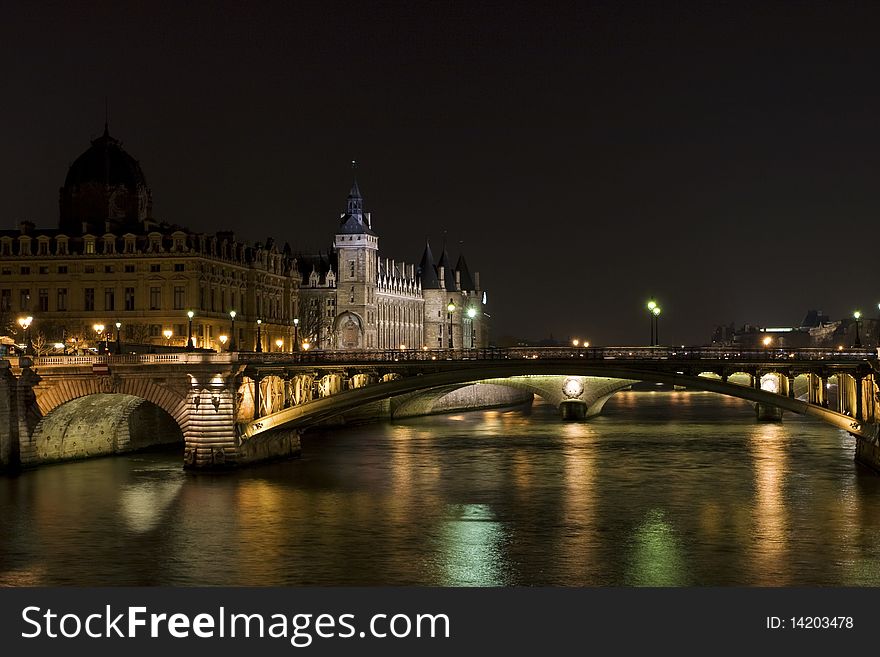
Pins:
x: 725, y: 159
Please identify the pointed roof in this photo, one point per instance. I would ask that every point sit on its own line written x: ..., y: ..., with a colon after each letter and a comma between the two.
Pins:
x: 352, y: 222
x: 448, y: 271
x: 464, y: 274
x: 426, y: 271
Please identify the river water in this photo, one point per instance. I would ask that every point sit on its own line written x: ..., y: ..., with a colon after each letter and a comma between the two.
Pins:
x: 665, y: 488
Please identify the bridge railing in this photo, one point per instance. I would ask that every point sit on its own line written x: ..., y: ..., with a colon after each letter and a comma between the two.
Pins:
x: 486, y: 354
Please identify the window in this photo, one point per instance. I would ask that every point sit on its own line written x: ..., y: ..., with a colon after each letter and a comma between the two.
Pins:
x: 129, y: 298
x: 5, y: 301
x: 7, y: 271
x: 6, y: 248
x: 351, y: 296
x: 25, y: 270
x: 155, y: 330
x: 108, y: 269
x: 24, y: 300
x: 89, y: 269
x: 155, y: 267
x: 155, y: 298
x: 351, y: 268
x: 179, y: 266
x: 180, y: 329
x: 212, y: 299
x: 201, y: 298
x: 90, y: 247
x: 89, y: 298
x: 109, y: 298
x: 129, y: 269
x: 43, y: 247
x: 179, y: 297
x: 44, y: 269
x: 62, y: 269
x: 62, y: 299
x: 62, y: 247
x: 43, y: 299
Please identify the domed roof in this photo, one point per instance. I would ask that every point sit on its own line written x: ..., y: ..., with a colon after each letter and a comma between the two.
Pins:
x: 105, y: 163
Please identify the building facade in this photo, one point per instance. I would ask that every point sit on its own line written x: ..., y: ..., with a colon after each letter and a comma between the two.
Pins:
x: 351, y: 297
x: 110, y: 261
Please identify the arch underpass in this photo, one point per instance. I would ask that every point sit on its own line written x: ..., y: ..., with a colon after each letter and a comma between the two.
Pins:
x: 101, y: 424
x: 328, y: 407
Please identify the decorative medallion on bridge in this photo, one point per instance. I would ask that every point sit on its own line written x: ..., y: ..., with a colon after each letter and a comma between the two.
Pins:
x: 572, y: 388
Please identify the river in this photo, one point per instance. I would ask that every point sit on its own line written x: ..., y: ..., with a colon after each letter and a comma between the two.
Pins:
x: 664, y: 489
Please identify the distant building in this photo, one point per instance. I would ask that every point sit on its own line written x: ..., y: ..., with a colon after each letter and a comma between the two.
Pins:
x: 351, y: 297
x: 817, y: 330
x: 111, y: 261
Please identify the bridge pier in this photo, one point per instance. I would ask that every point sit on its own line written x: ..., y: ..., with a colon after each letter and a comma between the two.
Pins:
x: 9, y: 445
x: 573, y: 409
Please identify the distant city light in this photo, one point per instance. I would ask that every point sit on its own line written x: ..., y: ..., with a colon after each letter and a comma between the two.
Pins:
x: 767, y: 341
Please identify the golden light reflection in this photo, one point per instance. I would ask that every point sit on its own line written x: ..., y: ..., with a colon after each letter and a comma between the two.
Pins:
x: 579, y: 541
x: 769, y: 449
x: 144, y: 505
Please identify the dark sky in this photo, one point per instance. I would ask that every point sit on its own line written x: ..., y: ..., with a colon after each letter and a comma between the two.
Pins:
x: 723, y: 157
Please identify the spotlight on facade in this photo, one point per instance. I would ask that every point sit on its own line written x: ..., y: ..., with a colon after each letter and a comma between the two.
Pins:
x: 767, y: 341
x: 279, y: 343
x: 167, y: 333
x: 306, y: 346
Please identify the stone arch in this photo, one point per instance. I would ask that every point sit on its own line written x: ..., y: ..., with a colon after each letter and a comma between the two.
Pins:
x: 52, y: 393
x: 99, y: 424
x: 348, y: 327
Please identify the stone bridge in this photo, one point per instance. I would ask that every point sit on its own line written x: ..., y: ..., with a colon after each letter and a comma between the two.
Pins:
x: 235, y: 408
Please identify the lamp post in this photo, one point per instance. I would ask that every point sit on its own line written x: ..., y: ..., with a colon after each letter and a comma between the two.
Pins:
x: 118, y: 348
x: 279, y: 343
x: 232, y: 334
x: 296, y: 334
x: 99, y: 329
x: 222, y: 339
x: 190, y: 345
x: 656, y: 312
x: 259, y: 336
x: 25, y: 324
x: 651, y: 305
x: 857, y: 315
x: 450, y: 308
x: 167, y: 333
x: 471, y: 313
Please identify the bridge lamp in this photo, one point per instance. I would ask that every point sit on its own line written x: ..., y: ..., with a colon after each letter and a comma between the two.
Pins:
x: 279, y: 343
x: 296, y: 333
x: 767, y: 341
x: 259, y: 336
x: 232, y: 314
x: 450, y: 308
x: 575, y: 342
x: 655, y: 312
x: 118, y: 348
x: 857, y: 315
x: 223, y: 339
x: 586, y: 344
x: 25, y: 324
x: 190, y: 345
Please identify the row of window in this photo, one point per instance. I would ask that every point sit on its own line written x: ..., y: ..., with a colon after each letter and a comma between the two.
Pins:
x: 61, y: 299
x: 25, y: 270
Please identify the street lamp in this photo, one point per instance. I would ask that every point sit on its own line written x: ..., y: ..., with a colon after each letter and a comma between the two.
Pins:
x: 471, y: 313
x: 575, y: 342
x: 232, y: 339
x: 259, y: 336
x: 296, y: 333
x: 767, y: 341
x: 656, y: 312
x: 857, y: 315
x: 222, y: 339
x: 25, y: 324
x: 99, y: 329
x: 651, y: 306
x: 450, y: 308
x: 306, y: 346
x: 118, y: 348
x: 167, y: 333
x: 279, y: 343
x: 190, y: 345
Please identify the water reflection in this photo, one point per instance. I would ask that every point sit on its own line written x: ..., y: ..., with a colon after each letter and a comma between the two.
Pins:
x: 665, y: 488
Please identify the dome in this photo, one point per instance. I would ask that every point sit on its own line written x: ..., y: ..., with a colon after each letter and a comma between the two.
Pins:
x: 105, y: 190
x: 105, y: 163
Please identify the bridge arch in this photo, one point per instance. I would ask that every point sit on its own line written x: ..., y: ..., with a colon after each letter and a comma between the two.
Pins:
x: 171, y: 399
x: 99, y: 424
x: 321, y: 409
